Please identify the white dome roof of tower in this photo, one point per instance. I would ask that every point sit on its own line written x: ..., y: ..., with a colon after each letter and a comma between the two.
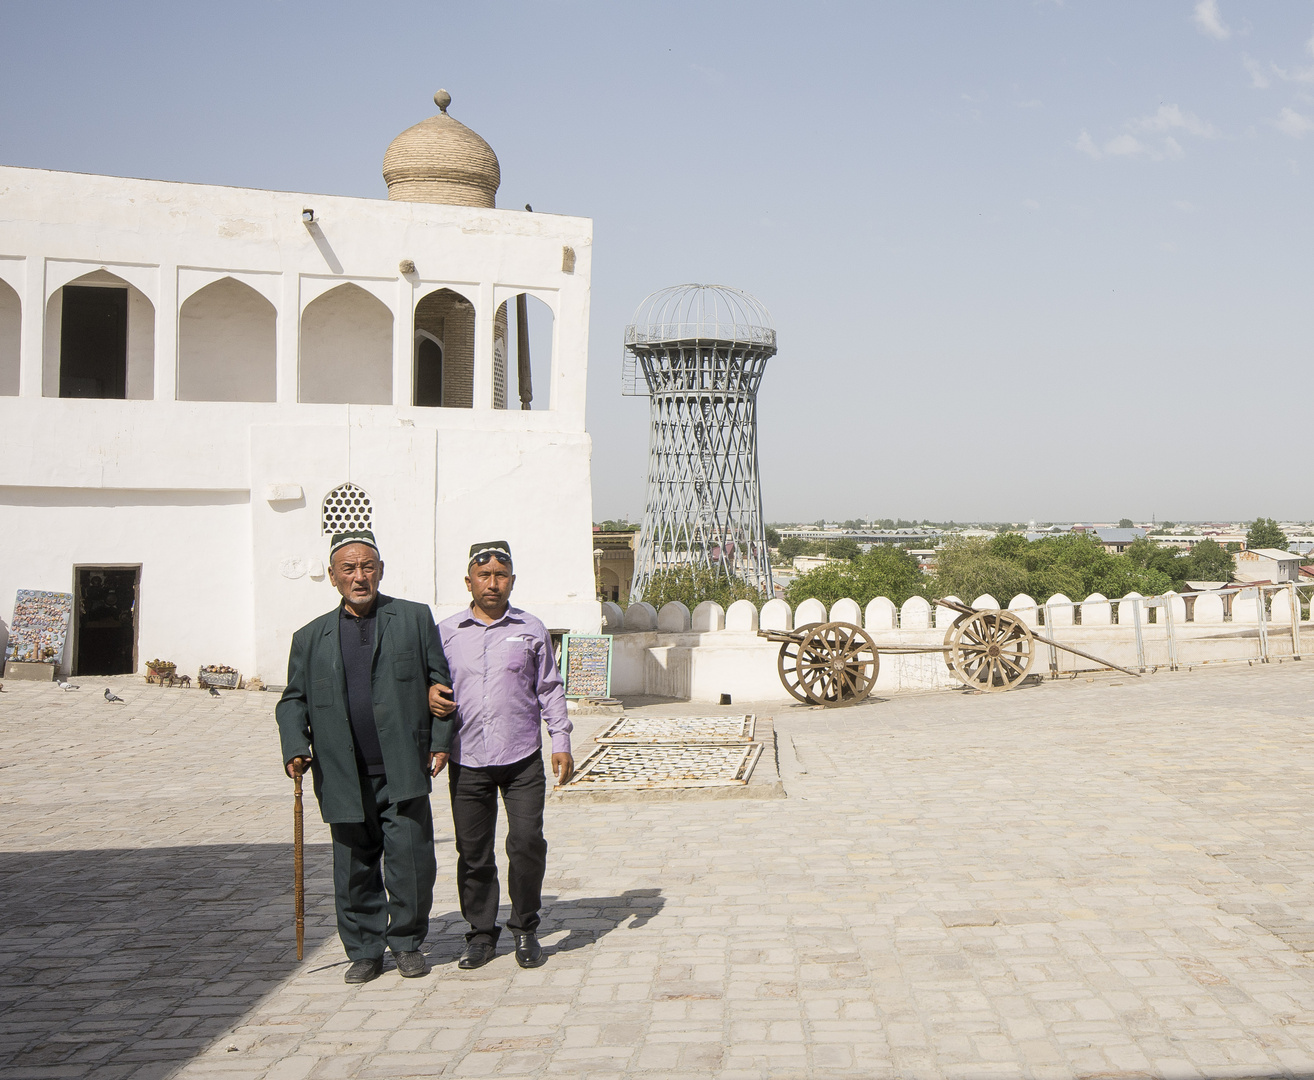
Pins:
x: 702, y: 313
x: 440, y: 160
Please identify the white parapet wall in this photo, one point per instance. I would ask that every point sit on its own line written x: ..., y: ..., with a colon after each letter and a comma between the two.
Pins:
x: 721, y: 653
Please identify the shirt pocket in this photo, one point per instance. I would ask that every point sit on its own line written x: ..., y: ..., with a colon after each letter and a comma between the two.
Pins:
x: 404, y: 668
x: 519, y: 656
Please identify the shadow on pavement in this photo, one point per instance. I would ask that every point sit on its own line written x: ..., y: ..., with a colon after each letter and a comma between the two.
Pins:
x: 586, y: 920
x: 131, y: 962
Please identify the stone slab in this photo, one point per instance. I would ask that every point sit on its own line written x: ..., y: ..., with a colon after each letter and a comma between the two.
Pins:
x: 27, y: 671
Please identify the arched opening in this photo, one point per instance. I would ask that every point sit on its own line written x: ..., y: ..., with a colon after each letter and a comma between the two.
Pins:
x: 346, y: 508
x: 100, y: 340
x: 447, y: 320
x: 428, y: 390
x: 11, y: 319
x: 525, y: 379
x: 226, y: 341
x: 346, y: 349
x: 609, y: 585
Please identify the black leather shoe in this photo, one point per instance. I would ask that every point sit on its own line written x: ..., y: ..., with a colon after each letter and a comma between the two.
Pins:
x: 476, y: 955
x: 363, y: 971
x: 529, y: 953
x: 411, y: 965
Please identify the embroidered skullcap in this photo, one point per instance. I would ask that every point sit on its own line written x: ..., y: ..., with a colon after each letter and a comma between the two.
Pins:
x: 490, y: 545
x: 352, y: 536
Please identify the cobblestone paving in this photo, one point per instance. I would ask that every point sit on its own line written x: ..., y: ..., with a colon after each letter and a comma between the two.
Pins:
x: 1113, y: 878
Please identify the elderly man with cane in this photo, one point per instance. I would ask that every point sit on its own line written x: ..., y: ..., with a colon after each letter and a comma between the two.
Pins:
x: 357, y: 712
x: 506, y: 685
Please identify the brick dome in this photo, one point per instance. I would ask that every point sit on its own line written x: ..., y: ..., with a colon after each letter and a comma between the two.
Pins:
x: 440, y: 160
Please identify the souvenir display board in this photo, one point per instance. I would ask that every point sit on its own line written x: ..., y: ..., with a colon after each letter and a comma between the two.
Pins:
x: 587, y: 666
x: 40, y: 626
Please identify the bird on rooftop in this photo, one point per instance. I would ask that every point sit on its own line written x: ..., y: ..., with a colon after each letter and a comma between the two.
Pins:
x: 68, y: 686
x: 111, y: 696
x: 214, y: 692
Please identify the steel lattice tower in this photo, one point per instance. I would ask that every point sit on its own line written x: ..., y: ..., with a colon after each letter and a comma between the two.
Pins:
x: 701, y: 351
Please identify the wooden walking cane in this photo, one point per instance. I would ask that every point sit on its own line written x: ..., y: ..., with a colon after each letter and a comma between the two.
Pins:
x: 298, y: 864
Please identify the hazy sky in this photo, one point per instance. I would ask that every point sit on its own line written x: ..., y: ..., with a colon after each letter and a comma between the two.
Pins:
x: 1043, y: 260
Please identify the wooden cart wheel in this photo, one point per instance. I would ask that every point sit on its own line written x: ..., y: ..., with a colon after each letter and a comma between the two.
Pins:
x: 787, y: 665
x: 990, y: 650
x: 837, y: 664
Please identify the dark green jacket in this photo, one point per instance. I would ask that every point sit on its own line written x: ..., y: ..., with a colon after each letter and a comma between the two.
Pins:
x: 312, y: 713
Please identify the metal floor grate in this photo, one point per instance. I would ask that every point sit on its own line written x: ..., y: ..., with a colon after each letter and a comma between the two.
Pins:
x: 668, y: 765
x: 679, y: 729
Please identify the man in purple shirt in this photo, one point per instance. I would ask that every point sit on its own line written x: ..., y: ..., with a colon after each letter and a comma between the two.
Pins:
x: 506, y: 685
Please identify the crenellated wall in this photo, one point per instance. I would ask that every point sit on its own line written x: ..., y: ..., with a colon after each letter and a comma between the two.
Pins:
x: 700, y: 655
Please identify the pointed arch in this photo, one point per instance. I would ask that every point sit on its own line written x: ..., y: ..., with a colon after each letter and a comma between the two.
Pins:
x: 227, y: 340
x: 523, y: 381
x: 346, y: 349
x: 427, y: 378
x: 449, y: 319
x: 100, y: 340
x: 11, y: 320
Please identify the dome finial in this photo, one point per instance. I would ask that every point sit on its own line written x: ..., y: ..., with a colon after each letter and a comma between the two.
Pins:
x: 442, y: 99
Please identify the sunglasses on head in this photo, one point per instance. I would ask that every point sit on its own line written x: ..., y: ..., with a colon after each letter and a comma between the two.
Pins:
x: 483, y: 558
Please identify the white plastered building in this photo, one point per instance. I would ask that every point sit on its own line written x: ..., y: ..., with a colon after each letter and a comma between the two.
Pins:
x: 197, y: 384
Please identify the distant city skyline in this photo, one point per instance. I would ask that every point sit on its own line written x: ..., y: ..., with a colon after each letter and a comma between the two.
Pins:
x: 1024, y: 258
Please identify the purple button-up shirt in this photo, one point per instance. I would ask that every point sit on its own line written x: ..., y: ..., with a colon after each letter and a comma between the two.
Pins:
x: 506, y: 684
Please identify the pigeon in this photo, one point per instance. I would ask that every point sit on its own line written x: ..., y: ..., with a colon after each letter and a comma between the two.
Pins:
x: 111, y: 696
x: 214, y: 692
x: 66, y: 686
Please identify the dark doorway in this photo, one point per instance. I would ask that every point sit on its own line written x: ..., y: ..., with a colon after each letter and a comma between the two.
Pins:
x: 93, y: 349
x: 105, y: 620
x: 428, y: 372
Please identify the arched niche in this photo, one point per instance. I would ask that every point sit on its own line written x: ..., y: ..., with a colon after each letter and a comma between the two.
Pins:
x: 427, y: 378
x: 11, y: 321
x: 524, y: 381
x: 346, y: 349
x: 99, y: 340
x: 445, y: 319
x: 227, y: 334
x: 609, y: 584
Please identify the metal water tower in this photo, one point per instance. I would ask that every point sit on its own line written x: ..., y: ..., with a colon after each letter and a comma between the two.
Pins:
x: 698, y: 353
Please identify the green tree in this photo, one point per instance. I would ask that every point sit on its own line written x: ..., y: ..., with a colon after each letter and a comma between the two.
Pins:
x: 792, y: 546
x: 1209, y: 562
x: 883, y: 571
x: 691, y: 585
x: 772, y: 537
x: 1073, y: 564
x: 1126, y: 523
x: 843, y: 548
x: 968, y: 567
x: 1264, y: 533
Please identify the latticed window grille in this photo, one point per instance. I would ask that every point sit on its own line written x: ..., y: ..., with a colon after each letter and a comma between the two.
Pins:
x: 345, y: 509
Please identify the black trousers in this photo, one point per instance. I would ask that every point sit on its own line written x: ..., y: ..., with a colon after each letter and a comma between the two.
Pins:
x: 389, y: 903
x: 523, y: 786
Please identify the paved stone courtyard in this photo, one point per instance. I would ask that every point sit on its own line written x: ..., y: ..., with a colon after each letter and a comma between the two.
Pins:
x: 1108, y: 878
